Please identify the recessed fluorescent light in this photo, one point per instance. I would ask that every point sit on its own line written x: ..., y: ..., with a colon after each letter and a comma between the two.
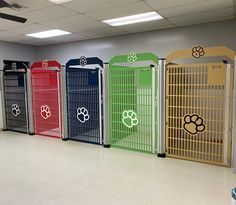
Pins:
x: 144, y: 17
x: 59, y: 1
x: 48, y: 34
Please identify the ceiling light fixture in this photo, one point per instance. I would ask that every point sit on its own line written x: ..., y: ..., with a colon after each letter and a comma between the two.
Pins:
x: 144, y: 17
x: 48, y: 34
x: 59, y: 1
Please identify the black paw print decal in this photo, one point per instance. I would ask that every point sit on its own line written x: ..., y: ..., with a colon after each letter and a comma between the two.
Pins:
x: 193, y: 124
x: 198, y: 52
x: 83, y: 61
x: 132, y: 57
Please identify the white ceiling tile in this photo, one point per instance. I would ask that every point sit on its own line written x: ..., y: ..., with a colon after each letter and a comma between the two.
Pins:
x: 147, y: 26
x: 86, y: 5
x: 67, y: 38
x: 49, y: 13
x: 70, y: 20
x: 91, y: 27
x: 33, y: 28
x: 37, y: 42
x: 6, y: 24
x: 43, y: 15
x: 17, y: 38
x: 120, y: 11
x: 162, y: 4
x: 202, y: 21
x: 203, y: 17
x: 5, y: 34
x: 210, y: 5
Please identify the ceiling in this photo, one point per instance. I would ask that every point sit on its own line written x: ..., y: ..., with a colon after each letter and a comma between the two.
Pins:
x: 83, y: 17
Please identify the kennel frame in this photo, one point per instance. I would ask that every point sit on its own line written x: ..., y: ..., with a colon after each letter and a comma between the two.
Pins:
x: 153, y: 68
x: 50, y: 66
x: 93, y: 64
x: 229, y: 85
x: 15, y: 67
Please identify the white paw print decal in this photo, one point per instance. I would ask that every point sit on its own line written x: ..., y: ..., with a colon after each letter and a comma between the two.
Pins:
x: 45, y: 64
x: 82, y: 114
x: 45, y: 112
x: 13, y: 66
x: 132, y: 57
x: 129, y: 118
x: 83, y: 61
x: 15, y: 110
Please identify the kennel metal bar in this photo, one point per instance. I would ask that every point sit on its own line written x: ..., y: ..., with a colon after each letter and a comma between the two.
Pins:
x: 46, y: 90
x: 85, y: 104
x: 161, y: 109
x: 234, y: 121
x: 199, y: 103
x: 132, y: 101
x: 14, y: 96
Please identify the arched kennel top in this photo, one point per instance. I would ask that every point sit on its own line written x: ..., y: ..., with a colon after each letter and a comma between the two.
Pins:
x: 133, y: 58
x: 44, y: 65
x: 83, y: 61
x: 199, y: 52
x: 15, y: 66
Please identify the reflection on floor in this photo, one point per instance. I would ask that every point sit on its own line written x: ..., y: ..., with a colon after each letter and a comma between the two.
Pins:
x: 46, y: 171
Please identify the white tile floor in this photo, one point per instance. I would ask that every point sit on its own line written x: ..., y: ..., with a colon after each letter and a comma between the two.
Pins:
x: 45, y: 171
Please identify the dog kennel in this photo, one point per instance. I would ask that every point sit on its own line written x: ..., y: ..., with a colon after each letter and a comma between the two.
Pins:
x: 199, y: 104
x: 46, y: 94
x: 84, y: 100
x: 15, y: 96
x: 133, y: 97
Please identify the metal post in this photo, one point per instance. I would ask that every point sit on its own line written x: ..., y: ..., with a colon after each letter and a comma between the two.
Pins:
x: 227, y: 109
x: 64, y: 104
x: 234, y: 121
x: 30, y: 103
x: 153, y: 109
x: 161, y: 108
x: 4, y: 126
x: 106, y: 106
x: 59, y: 102
x: 100, y: 107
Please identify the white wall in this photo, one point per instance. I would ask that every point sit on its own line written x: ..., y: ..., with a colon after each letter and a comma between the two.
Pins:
x: 160, y: 42
x: 13, y: 51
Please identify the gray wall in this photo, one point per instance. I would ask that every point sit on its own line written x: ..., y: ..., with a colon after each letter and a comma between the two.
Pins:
x: 160, y: 42
x: 13, y: 51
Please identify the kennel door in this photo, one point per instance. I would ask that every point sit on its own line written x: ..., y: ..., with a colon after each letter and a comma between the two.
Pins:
x: 84, y: 100
x: 132, y: 101
x: 198, y: 112
x: 46, y: 93
x: 15, y: 95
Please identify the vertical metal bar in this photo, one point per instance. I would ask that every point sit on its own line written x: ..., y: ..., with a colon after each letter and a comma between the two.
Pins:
x: 234, y: 122
x: 105, y: 106
x: 100, y: 107
x: 59, y: 102
x: 161, y: 108
x: 30, y: 103
x: 4, y: 126
x: 153, y: 109
x: 227, y: 106
x: 64, y: 103
x: 26, y: 103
